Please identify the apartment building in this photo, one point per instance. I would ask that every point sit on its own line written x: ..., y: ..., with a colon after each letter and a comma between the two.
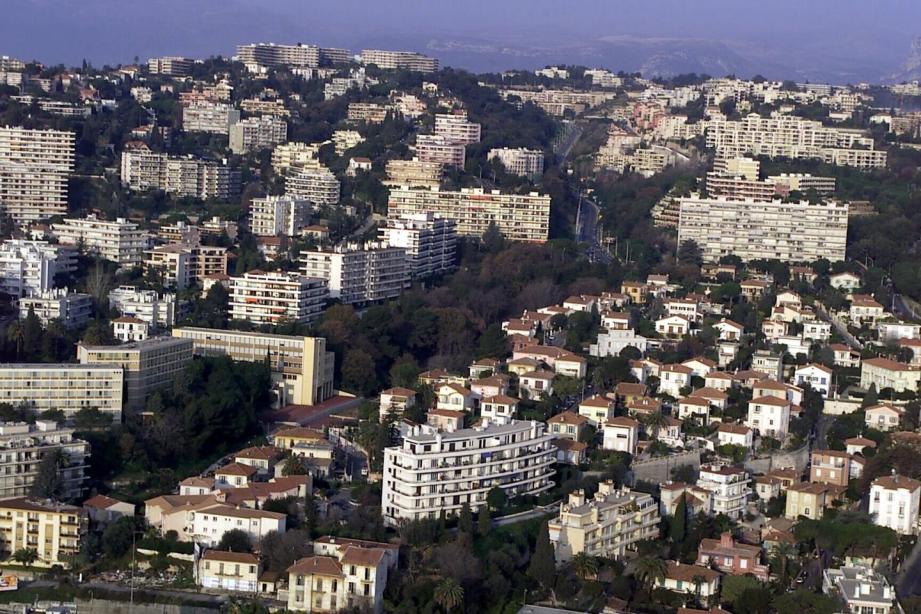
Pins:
x: 301, y: 367
x: 228, y: 571
x: 268, y: 106
x: 430, y: 242
x: 294, y: 154
x: 183, y: 265
x: 359, y: 273
x: 206, y: 525
x: 369, y: 112
x: 790, y: 232
x: 277, y: 297
x: 344, y: 140
x: 120, y: 241
x: 399, y: 60
x: 436, y: 149
x: 22, y: 447
x: 454, y: 127
x: 434, y: 472
x: 559, y: 102
x: 34, y: 169
x: 142, y: 169
x: 607, y: 525
x: 728, y: 487
x: 887, y: 373
x: 53, y: 530
x: 259, y: 57
x: 29, y: 267
x: 414, y: 174
x: 255, y: 133
x: 785, y: 183
x: 157, y: 310
x: 894, y: 503
x: 313, y: 182
x: 861, y: 590
x: 833, y: 467
x: 148, y: 365
x: 519, y: 161
x: 279, y: 215
x: 68, y: 387
x: 169, y: 66
x: 215, y: 118
x: 519, y: 217
x: 71, y: 309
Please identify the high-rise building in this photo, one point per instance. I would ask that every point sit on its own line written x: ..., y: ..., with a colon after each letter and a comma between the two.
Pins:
x: 183, y: 265
x: 433, y: 473
x: 439, y: 150
x: 456, y: 128
x: 216, y: 118
x: 259, y: 57
x: 430, y: 242
x: 170, y: 66
x: 313, y: 182
x: 120, y: 241
x: 52, y: 530
x: 257, y: 133
x: 790, y: 232
x: 274, y: 216
x: 142, y: 169
x: 29, y: 267
x: 68, y: 387
x: 276, y: 297
x: 71, y: 309
x: 519, y: 217
x: 294, y: 154
x: 520, y: 161
x: 399, y: 60
x: 302, y: 368
x: 359, y: 273
x: 22, y: 448
x: 34, y: 169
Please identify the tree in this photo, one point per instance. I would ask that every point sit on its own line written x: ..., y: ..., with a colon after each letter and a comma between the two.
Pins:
x: 782, y: 554
x: 310, y: 513
x: 25, y: 556
x: 449, y: 594
x: 753, y: 601
x: 655, y: 422
x: 732, y: 586
x: 235, y: 540
x: 585, y: 565
x: 542, y: 567
x: 650, y: 570
x: 358, y: 372
x: 677, y: 529
x: 803, y: 601
x: 689, y: 252
x: 118, y: 537
x: 48, y: 483
x: 871, y: 398
x: 483, y: 522
x: 465, y: 521
x: 294, y: 465
x: 496, y: 498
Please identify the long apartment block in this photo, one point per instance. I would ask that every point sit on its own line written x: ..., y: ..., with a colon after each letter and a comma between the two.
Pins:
x: 68, y: 387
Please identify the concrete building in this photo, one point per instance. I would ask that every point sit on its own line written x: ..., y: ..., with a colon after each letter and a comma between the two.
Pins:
x: 228, y: 571
x: 894, y: 503
x: 68, y: 387
x: 279, y: 215
x: 255, y: 133
x: 148, y: 365
x: 158, y: 310
x: 519, y: 217
x: 301, y: 367
x: 429, y: 240
x: 359, y: 273
x: 142, y: 169
x: 887, y: 373
x: 414, y: 174
x: 455, y: 128
x: 312, y: 182
x: 71, y: 309
x: 294, y: 154
x: 399, y: 60
x: 435, y: 149
x: 808, y: 499
x: 29, y: 267
x: 120, y: 241
x: 434, y: 472
x: 728, y: 487
x: 786, y: 231
x: 861, y: 589
x: 35, y: 166
x: 183, y: 265
x: 605, y: 526
x: 53, y: 530
x: 276, y: 297
x: 22, y: 448
x: 169, y: 66
x: 215, y: 118
x: 206, y: 525
x: 731, y: 557
x: 520, y: 161
x: 128, y: 328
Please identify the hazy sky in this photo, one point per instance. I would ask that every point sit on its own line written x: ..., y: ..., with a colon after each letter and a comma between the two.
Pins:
x: 869, y: 38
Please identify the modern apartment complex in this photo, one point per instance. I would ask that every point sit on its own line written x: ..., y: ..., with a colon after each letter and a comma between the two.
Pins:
x: 294, y: 154
x: 359, y: 273
x: 142, y: 169
x: 255, y: 133
x: 29, y: 267
x: 22, y: 448
x: 148, y: 365
x: 604, y: 526
x: 259, y: 57
x: 170, y: 66
x: 301, y: 366
x: 313, y: 182
x: 68, y: 387
x: 216, y: 118
x: 276, y: 297
x: 519, y: 217
x: 71, y: 309
x: 158, y: 310
x: 519, y: 161
x: 455, y: 128
x: 436, y: 472
x: 430, y: 242
x: 414, y: 174
x: 120, y: 241
x: 787, y: 231
x: 52, y: 530
x: 183, y: 265
x: 399, y: 60
x: 435, y: 149
x: 273, y: 216
x: 34, y: 169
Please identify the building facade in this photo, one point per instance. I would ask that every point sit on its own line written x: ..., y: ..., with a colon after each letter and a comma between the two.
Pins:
x: 359, y: 273
x: 35, y: 166
x: 68, y: 387
x: 276, y: 297
x: 430, y: 242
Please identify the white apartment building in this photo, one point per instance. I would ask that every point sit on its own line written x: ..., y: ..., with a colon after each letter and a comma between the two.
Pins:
x: 399, y: 60
x: 301, y: 367
x: 436, y: 149
x: 260, y: 56
x: 142, y: 169
x: 34, y: 169
x: 27, y: 267
x: 170, y: 66
x: 455, y: 128
x: 257, y: 133
x: 182, y: 265
x: 22, y: 447
x: 216, y: 118
x: 359, y: 273
x: 120, y: 241
x: 68, y: 387
x: 887, y: 373
x: 894, y: 503
x: 148, y: 365
x: 430, y: 242
x: 790, y: 232
x: 158, y: 310
x: 278, y: 215
x: 414, y: 174
x: 769, y: 416
x: 294, y: 154
x: 313, y: 182
x: 519, y: 161
x: 434, y: 472
x: 728, y: 487
x: 72, y: 309
x: 275, y: 297
x: 206, y: 525
x: 519, y: 217
x: 607, y: 525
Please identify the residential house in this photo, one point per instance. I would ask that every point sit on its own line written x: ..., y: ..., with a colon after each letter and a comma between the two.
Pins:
x: 395, y: 401
x: 447, y: 420
x: 883, y: 417
x: 621, y: 434
x: 830, y: 467
x: 694, y: 408
x: 729, y: 330
x: 894, y: 503
x: 536, y: 383
x: 887, y: 373
x: 807, y: 499
x: 818, y: 377
x: 455, y: 397
x: 499, y: 408
x: 568, y: 425
x: 732, y: 557
x: 569, y: 452
x: 769, y: 416
x: 735, y: 434
x: 702, y: 582
x: 673, y: 326
x: 729, y: 489
x: 228, y: 571
x: 597, y: 409
x: 672, y: 378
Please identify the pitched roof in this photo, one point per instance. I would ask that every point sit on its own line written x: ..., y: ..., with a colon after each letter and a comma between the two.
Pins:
x: 320, y: 565
x: 364, y: 557
x: 101, y: 502
x: 232, y: 557
x: 622, y: 421
x: 897, y: 482
x: 769, y: 400
x: 567, y: 417
x: 400, y: 392
x: 236, y: 469
x: 888, y: 364
x: 687, y: 573
x: 260, y: 453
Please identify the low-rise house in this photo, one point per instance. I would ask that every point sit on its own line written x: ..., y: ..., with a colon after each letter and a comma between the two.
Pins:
x: 769, y: 363
x: 818, y: 377
x: 561, y: 361
x: 207, y: 525
x: 718, y: 380
x: 700, y: 366
x: 846, y: 282
x: 494, y: 385
x: 728, y: 487
x: 568, y: 425
x: 262, y: 458
x: 673, y: 326
x: 807, y: 499
x: 894, y: 503
x: 858, y: 445
x: 636, y: 290
x: 535, y: 384
x: 395, y: 401
x: 520, y: 366
x: 621, y: 434
x: 715, y: 396
x: 844, y: 356
x: 105, y: 510
x: 729, y: 330
x: 865, y: 310
x: 815, y: 331
x: 582, y: 302
x: 672, y: 378
x: 570, y: 452
x: 748, y: 378
x: 228, y: 571
x: 694, y: 408
x: 769, y: 416
x: 447, y: 420
x: 830, y: 467
x: 731, y: 557
x: 455, y: 397
x: 913, y: 346
x: 774, y: 329
x: 234, y: 475
x: 735, y: 435
x: 690, y: 579
x: 684, y: 308
x: 483, y: 367
x: 887, y: 373
x: 643, y: 406
x: 499, y: 408
x: 767, y: 487
x: 754, y: 289
x: 598, y: 409
x: 893, y: 330
x: 627, y: 392
x: 615, y: 320
x: 129, y: 328
x: 883, y: 417
x: 311, y: 446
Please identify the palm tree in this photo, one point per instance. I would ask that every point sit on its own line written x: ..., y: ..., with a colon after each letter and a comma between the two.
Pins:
x: 585, y: 565
x: 16, y: 333
x: 655, y: 422
x: 698, y: 581
x: 650, y: 570
x: 783, y: 552
x: 449, y: 594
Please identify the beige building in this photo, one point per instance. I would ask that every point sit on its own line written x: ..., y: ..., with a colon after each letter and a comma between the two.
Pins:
x: 170, y: 66
x: 34, y: 169
x: 807, y: 499
x: 276, y: 297
x: 257, y: 133
x: 68, y: 387
x: 359, y: 273
x: 435, y: 149
x: 183, y: 265
x: 399, y: 60
x: 313, y: 182
x: 414, y: 174
x: 886, y: 373
x: 228, y: 571
x: 120, y: 241
x: 301, y: 366
x: 519, y: 217
x: 52, y: 530
x: 605, y: 526
x: 294, y: 154
x: 148, y: 365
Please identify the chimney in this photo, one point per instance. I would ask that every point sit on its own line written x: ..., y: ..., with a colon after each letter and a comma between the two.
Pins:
x: 726, y: 540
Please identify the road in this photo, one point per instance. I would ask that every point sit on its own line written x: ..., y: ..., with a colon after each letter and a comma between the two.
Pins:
x: 850, y: 339
x: 903, y: 309
x: 563, y: 148
x: 587, y: 231
x: 908, y: 581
